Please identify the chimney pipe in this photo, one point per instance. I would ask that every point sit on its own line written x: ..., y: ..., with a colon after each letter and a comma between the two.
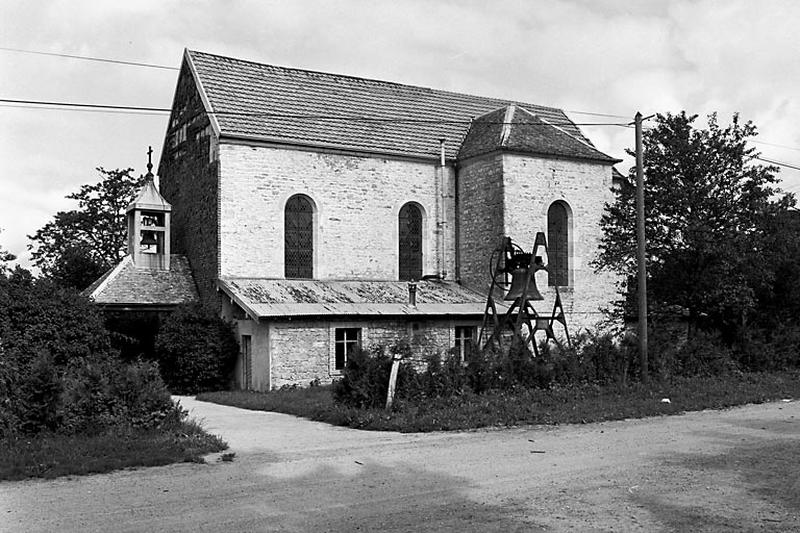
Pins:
x: 412, y: 294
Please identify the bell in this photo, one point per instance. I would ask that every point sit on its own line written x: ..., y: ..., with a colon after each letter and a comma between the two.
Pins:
x: 149, y: 238
x: 518, y: 276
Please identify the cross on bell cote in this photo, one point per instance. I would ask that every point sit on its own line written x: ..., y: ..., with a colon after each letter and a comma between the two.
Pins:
x: 149, y: 224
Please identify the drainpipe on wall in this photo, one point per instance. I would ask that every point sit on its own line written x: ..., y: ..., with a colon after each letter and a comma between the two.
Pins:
x: 441, y: 214
x: 456, y: 225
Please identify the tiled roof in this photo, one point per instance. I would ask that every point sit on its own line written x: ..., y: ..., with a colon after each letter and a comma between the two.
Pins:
x: 282, y: 298
x: 127, y: 285
x: 318, y: 109
x: 516, y: 129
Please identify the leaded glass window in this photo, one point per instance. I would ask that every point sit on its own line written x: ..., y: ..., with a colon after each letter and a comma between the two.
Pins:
x: 299, y: 238
x: 558, y: 245
x: 410, y: 220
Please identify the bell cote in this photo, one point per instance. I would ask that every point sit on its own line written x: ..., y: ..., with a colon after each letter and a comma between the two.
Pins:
x: 148, y: 225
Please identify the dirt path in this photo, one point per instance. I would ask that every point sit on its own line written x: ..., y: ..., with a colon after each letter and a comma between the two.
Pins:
x: 713, y: 471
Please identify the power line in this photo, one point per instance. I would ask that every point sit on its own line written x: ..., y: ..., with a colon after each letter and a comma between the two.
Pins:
x: 778, y: 163
x: 89, y: 58
x: 39, y: 104
x: 165, y: 67
x: 112, y: 111
x: 776, y: 145
x: 35, y: 103
x: 592, y: 114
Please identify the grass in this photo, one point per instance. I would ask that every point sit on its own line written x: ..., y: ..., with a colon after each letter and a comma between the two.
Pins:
x: 558, y: 405
x: 54, y: 455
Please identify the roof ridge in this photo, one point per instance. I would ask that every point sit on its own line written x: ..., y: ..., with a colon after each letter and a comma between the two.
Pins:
x: 113, y: 273
x: 505, y: 101
x: 505, y: 131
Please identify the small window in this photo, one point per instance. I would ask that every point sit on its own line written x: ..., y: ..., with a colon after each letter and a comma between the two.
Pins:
x: 410, y: 242
x: 347, y: 341
x: 465, y: 337
x: 299, y: 238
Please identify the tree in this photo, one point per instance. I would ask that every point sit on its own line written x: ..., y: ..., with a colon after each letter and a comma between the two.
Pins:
x: 708, y: 210
x: 5, y: 257
x: 77, y: 246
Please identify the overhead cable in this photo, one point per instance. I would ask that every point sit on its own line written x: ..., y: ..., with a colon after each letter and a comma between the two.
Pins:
x: 778, y: 163
x: 89, y: 58
x: 333, y: 118
x: 165, y: 67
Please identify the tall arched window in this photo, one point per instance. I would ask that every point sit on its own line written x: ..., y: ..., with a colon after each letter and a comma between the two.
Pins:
x: 299, y: 238
x: 410, y: 219
x: 558, y: 244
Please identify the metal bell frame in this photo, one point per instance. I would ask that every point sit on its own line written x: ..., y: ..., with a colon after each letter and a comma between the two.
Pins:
x: 521, y: 319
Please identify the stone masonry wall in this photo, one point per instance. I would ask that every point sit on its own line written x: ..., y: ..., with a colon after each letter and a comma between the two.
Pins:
x: 302, y: 351
x: 357, y: 201
x: 188, y: 179
x: 480, y: 204
x: 532, y: 184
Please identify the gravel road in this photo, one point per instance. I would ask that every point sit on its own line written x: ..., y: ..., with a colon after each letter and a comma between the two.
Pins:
x: 732, y: 470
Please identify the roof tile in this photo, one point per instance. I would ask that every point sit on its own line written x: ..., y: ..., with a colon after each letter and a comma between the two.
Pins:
x: 127, y: 285
x: 315, y: 108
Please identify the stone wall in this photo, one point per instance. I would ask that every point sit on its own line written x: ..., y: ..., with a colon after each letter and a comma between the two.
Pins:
x: 302, y: 351
x: 357, y: 200
x: 188, y: 174
x: 481, y: 214
x: 532, y: 184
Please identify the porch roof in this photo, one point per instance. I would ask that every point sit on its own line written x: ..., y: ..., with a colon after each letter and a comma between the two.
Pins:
x: 275, y: 298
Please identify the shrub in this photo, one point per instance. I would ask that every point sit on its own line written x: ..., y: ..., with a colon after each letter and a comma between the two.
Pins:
x: 769, y: 349
x: 196, y: 350
x: 39, y: 395
x: 365, y: 378
x: 104, y: 392
x: 37, y: 315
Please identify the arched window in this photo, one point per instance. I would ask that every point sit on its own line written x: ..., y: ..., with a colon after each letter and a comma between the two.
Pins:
x: 558, y: 244
x: 410, y: 219
x: 299, y: 238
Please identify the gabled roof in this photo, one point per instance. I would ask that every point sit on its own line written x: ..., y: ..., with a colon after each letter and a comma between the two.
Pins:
x: 264, y: 298
x: 300, y: 107
x: 515, y: 129
x: 128, y: 286
x: 150, y: 198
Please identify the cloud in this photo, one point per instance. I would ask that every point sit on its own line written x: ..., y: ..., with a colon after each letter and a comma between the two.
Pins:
x: 613, y: 56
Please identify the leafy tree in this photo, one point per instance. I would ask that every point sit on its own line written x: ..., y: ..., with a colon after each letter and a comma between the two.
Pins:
x: 708, y: 211
x: 77, y: 246
x: 5, y: 257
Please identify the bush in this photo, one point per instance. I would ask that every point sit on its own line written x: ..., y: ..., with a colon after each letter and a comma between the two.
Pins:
x: 57, y: 373
x: 37, y: 315
x: 365, y: 378
x: 103, y: 392
x: 196, y: 350
x: 776, y: 348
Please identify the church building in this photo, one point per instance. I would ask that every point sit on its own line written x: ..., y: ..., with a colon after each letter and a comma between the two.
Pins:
x: 323, y: 212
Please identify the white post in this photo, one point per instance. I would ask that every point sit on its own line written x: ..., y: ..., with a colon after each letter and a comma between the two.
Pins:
x: 392, y: 381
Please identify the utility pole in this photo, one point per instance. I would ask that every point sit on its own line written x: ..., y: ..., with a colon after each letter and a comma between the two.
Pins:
x: 640, y: 250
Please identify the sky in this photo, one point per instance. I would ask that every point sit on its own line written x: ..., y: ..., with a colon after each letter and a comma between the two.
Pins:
x: 584, y: 56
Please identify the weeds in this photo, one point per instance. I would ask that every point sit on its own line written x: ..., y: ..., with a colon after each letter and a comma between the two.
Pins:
x: 50, y: 455
x: 558, y: 404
